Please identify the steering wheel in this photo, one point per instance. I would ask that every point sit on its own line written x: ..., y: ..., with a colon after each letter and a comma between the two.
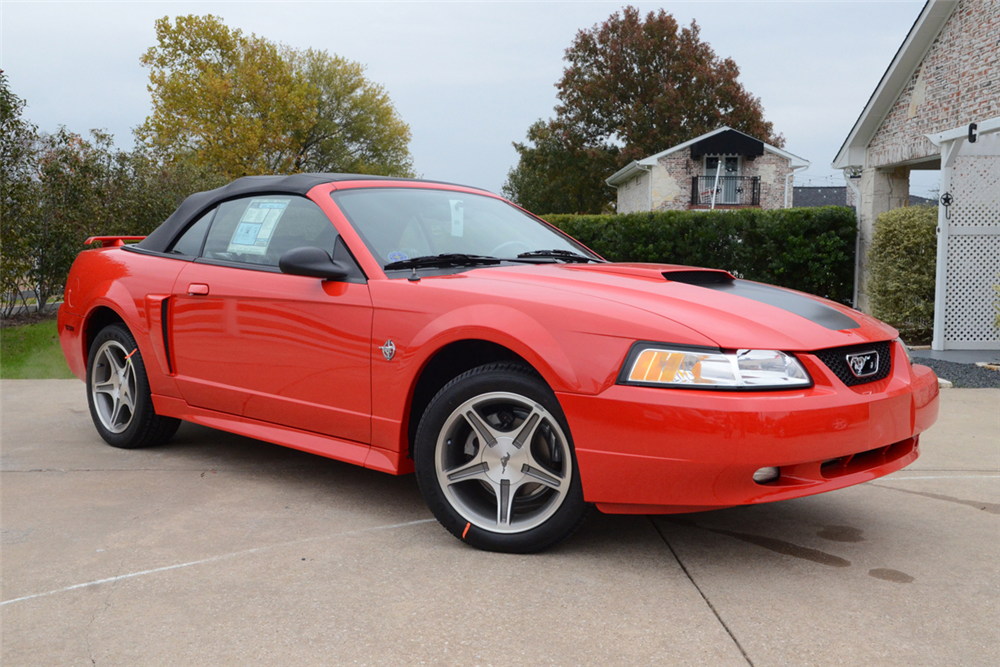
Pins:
x: 507, y: 246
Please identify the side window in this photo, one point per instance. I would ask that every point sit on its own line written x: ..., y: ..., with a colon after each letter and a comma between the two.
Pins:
x: 191, y: 240
x: 259, y: 229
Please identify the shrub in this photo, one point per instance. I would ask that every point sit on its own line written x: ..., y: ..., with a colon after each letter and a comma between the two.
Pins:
x: 18, y: 196
x: 996, y: 305
x: 808, y: 249
x: 902, y: 261
x: 86, y: 188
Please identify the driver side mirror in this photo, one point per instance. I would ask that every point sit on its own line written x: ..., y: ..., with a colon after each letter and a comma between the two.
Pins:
x: 312, y: 262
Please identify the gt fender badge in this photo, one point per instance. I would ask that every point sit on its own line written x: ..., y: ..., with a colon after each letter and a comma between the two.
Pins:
x: 388, y: 350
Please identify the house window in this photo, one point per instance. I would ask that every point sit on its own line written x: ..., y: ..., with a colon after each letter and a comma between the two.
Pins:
x: 731, y: 165
x: 729, y: 183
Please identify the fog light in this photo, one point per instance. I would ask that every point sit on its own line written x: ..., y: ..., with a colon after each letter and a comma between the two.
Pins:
x: 766, y: 475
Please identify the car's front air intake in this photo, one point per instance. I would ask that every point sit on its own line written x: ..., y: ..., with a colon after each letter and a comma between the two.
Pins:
x: 840, y: 360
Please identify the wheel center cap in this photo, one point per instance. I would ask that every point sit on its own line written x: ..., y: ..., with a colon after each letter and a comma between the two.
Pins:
x: 505, y: 461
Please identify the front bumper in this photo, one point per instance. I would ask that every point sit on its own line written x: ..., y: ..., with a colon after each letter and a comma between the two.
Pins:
x: 652, y: 450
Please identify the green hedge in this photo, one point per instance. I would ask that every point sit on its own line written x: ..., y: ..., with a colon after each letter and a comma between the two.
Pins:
x: 902, y: 261
x: 808, y: 249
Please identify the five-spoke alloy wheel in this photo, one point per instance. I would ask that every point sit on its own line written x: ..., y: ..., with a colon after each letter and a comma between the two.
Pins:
x: 495, y: 461
x: 118, y: 392
x: 113, y: 386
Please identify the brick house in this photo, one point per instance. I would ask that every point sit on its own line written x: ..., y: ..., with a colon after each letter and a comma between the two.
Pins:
x: 937, y: 107
x: 724, y: 168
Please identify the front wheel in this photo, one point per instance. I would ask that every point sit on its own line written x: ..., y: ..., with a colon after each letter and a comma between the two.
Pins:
x: 495, y: 462
x: 118, y: 393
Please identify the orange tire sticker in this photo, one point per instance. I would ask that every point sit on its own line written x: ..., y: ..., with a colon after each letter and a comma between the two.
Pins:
x: 466, y: 531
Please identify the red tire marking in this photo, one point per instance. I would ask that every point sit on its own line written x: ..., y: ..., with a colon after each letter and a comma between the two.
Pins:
x: 466, y: 531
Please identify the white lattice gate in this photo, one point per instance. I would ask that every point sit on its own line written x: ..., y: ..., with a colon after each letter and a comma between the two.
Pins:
x: 968, y: 256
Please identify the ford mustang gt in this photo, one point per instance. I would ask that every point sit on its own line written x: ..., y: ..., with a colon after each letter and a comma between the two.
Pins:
x: 411, y: 326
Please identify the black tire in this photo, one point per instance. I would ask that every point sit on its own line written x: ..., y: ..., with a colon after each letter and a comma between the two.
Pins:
x: 130, y: 426
x: 479, y: 482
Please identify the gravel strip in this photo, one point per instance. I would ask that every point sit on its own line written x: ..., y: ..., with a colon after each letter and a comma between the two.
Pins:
x: 966, y: 376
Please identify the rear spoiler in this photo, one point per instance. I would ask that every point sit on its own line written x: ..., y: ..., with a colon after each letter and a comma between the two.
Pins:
x: 112, y: 241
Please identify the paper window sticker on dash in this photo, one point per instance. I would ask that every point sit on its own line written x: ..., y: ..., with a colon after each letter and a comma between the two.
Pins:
x: 457, y: 217
x: 256, y: 227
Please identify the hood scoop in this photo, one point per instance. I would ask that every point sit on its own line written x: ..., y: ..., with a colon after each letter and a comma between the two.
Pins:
x: 704, y: 277
x: 658, y: 272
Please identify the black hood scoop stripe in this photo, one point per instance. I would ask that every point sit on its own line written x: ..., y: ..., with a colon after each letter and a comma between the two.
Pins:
x: 803, y: 306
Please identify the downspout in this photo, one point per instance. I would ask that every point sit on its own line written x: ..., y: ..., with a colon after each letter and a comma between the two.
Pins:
x: 788, y: 180
x: 857, y: 235
x: 649, y: 172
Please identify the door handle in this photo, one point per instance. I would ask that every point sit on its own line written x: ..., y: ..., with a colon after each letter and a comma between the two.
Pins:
x: 199, y: 289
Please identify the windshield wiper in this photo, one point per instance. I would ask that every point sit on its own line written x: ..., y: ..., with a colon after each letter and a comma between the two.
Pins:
x: 564, y: 255
x: 442, y: 261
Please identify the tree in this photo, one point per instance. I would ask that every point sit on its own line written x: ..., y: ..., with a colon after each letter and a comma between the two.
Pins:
x: 18, y: 196
x: 356, y: 129
x: 651, y: 86
x: 89, y: 188
x: 243, y: 105
x: 231, y: 101
x: 634, y: 87
x: 556, y: 174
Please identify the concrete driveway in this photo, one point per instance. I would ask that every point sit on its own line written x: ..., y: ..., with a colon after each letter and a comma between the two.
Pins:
x: 220, y: 550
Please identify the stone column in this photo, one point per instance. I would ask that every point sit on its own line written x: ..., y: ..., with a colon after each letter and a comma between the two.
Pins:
x: 882, y: 189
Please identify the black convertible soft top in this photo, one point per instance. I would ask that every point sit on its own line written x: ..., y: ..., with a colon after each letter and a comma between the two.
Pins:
x: 192, y: 207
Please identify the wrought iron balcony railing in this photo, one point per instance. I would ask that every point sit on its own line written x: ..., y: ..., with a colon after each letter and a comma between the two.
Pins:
x: 729, y: 190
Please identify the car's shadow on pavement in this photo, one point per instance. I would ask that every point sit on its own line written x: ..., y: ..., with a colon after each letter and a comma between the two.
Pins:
x: 814, y: 530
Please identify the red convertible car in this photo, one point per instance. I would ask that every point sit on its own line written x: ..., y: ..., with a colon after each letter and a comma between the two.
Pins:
x: 415, y: 326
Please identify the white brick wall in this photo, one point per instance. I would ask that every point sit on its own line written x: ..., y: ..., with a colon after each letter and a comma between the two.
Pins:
x: 633, y: 195
x: 957, y: 83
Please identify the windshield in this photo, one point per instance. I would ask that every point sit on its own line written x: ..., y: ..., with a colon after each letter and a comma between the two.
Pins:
x: 401, y: 224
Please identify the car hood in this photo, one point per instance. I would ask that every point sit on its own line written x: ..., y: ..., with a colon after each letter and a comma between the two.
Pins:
x: 733, y: 313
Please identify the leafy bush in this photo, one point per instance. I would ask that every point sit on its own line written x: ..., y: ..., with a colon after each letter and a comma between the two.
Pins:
x: 808, y: 249
x: 18, y: 195
x: 82, y: 188
x: 902, y: 261
x: 996, y: 306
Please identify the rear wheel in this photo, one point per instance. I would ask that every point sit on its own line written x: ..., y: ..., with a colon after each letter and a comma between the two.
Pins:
x: 118, y: 393
x: 495, y: 462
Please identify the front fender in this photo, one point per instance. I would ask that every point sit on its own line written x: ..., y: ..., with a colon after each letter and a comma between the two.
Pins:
x: 521, y: 333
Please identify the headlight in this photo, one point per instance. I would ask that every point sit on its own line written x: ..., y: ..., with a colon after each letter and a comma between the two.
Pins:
x: 650, y: 364
x: 906, y: 350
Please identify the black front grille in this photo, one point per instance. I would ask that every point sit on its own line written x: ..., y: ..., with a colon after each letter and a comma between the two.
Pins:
x: 836, y: 359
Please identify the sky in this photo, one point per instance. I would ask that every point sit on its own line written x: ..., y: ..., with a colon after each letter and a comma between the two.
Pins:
x: 468, y: 77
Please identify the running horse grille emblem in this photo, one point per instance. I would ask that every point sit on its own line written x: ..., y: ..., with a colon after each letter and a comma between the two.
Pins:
x: 863, y: 364
x: 388, y: 350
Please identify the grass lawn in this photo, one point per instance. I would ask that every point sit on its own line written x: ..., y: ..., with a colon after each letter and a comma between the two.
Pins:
x: 32, y: 352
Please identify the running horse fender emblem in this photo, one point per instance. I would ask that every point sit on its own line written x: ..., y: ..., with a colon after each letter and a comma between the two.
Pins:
x: 388, y: 350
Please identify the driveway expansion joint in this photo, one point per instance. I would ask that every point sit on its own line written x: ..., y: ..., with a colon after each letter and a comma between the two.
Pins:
x: 991, y: 508
x: 701, y: 593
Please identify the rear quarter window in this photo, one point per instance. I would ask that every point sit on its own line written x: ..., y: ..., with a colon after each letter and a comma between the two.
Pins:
x: 259, y: 229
